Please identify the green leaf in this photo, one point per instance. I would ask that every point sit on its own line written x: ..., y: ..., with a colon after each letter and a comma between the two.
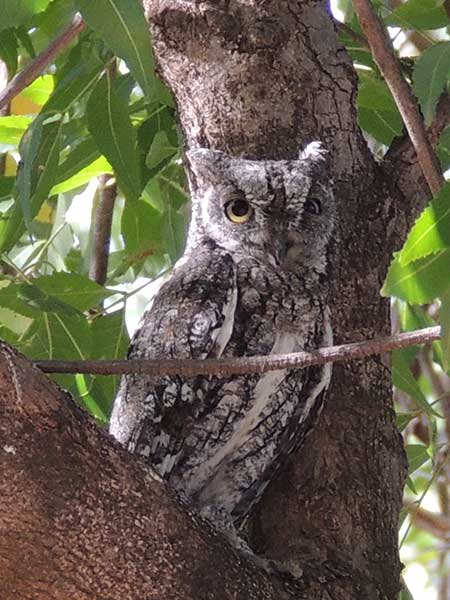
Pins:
x: 81, y: 156
x: 56, y: 17
x: 39, y: 150
x: 24, y: 36
x: 94, y: 169
x: 160, y: 149
x: 405, y: 594
x: 373, y: 93
x: 420, y: 281
x: 110, y: 126
x: 39, y: 90
x: 80, y: 292
x: 413, y: 317
x: 29, y: 301
x: 174, y: 233
x: 8, y: 50
x: 403, y: 419
x: 381, y: 125
x: 443, y: 149
x: 35, y: 298
x: 417, y: 456
x: 122, y: 25
x: 377, y: 111
x: 111, y: 336
x: 15, y: 322
x: 111, y: 342
x: 162, y: 120
x: 142, y: 229
x: 56, y: 335
x: 411, y: 486
x: 17, y: 12
x: 359, y: 52
x: 444, y: 315
x: 431, y: 231
x: 6, y: 187
x: 430, y: 76
x: 12, y: 227
x: 12, y: 129
x: 419, y: 14
x: 404, y: 380
x: 76, y: 78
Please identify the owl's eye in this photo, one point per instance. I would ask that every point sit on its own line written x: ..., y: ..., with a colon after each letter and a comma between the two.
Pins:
x: 238, y: 210
x: 313, y: 206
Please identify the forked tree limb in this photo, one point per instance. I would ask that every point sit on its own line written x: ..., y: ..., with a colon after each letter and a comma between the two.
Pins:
x: 81, y: 518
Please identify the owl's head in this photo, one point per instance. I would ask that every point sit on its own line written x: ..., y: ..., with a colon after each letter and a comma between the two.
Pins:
x: 281, y: 212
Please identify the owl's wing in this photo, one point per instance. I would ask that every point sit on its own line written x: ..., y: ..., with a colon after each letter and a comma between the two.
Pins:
x: 191, y: 317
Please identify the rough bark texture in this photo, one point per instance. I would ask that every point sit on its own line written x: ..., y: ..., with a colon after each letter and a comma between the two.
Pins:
x: 79, y: 518
x: 262, y: 79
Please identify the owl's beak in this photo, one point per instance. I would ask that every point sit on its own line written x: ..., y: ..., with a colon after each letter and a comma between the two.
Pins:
x: 279, y: 249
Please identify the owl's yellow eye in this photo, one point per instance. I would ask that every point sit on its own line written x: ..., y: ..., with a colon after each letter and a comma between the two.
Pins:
x: 238, y: 210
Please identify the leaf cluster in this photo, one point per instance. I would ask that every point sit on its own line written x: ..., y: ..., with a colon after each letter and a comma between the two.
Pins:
x: 98, y: 109
x: 418, y: 280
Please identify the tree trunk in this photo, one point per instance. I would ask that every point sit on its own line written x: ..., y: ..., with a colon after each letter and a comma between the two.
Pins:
x: 80, y: 518
x: 263, y: 79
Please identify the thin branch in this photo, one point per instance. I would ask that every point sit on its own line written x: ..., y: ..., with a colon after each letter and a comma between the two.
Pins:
x: 107, y: 195
x: 245, y: 364
x: 4, y: 110
x: 435, y: 523
x: 36, y: 67
x: 384, y: 55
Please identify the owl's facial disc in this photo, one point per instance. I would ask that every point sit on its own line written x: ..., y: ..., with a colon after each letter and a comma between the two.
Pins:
x: 279, y: 212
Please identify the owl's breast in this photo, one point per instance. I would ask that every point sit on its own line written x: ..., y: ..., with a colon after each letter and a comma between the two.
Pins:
x: 270, y: 303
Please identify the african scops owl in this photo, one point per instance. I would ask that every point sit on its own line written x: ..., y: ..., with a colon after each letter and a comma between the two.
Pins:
x: 252, y: 281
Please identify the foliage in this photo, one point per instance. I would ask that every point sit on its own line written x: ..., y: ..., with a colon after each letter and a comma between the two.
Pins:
x: 418, y: 280
x: 99, y: 109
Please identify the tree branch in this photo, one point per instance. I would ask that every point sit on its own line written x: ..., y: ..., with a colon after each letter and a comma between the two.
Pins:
x: 37, y: 66
x: 243, y: 365
x: 82, y: 518
x: 107, y: 194
x: 384, y: 56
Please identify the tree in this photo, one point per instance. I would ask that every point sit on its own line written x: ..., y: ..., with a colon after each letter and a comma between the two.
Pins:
x: 257, y: 78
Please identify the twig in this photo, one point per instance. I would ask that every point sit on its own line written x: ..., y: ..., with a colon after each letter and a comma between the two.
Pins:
x: 4, y: 110
x: 245, y: 364
x: 434, y: 523
x: 356, y: 37
x: 384, y: 55
x: 107, y: 195
x: 38, y: 65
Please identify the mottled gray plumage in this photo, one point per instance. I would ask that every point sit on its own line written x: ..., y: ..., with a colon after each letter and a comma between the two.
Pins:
x: 255, y: 286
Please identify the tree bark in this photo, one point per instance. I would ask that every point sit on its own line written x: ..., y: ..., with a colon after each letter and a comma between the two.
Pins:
x: 79, y: 517
x: 82, y: 519
x: 262, y: 79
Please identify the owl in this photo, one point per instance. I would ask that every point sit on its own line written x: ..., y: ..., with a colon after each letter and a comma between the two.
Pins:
x: 252, y: 281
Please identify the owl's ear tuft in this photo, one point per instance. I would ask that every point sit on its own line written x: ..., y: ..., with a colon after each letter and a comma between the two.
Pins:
x: 314, y: 151
x: 207, y: 164
x: 315, y: 159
